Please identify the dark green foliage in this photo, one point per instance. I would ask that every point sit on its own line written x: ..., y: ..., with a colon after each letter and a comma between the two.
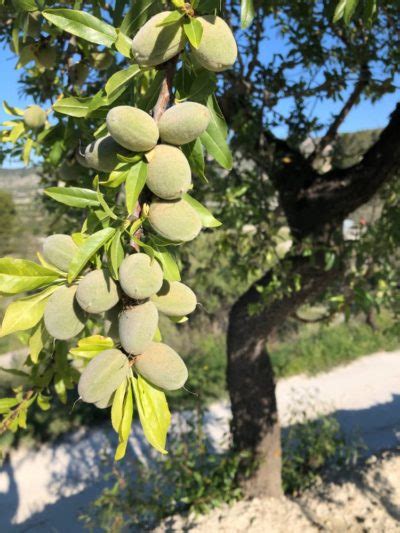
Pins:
x: 311, y: 449
x: 192, y: 478
x: 350, y: 147
x: 9, y: 223
x: 321, y: 350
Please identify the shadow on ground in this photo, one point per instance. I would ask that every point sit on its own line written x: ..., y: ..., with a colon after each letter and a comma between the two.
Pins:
x: 377, y: 426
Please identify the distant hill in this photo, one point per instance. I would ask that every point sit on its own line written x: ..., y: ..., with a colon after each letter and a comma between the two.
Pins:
x: 24, y: 186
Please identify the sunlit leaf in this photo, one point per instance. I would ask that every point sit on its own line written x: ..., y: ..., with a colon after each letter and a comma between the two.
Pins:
x: 25, y: 313
x: 21, y: 275
x: 153, y: 412
x: 91, y: 346
x: 91, y: 245
x: 82, y: 24
x: 73, y: 196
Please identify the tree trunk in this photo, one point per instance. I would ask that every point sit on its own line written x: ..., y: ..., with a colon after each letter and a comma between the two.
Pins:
x: 255, y: 424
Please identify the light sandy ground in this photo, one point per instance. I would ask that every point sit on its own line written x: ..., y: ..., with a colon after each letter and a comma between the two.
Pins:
x: 43, y: 490
x: 360, y: 502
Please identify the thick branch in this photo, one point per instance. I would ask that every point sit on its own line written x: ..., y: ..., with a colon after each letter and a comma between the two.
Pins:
x: 328, y: 199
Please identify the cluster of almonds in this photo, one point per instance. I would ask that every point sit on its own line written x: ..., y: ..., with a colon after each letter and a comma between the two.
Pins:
x: 168, y: 171
x: 130, y: 308
x: 131, y: 305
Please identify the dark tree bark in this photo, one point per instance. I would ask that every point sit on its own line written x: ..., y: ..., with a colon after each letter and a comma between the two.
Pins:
x: 314, y: 205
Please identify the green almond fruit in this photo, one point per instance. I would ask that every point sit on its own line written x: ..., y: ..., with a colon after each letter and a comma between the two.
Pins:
x: 34, y: 117
x: 105, y: 402
x: 140, y: 276
x: 132, y: 128
x: 168, y: 172
x: 102, y: 376
x: 97, y: 292
x: 59, y: 249
x: 183, y: 123
x: 137, y: 327
x: 63, y: 317
x: 217, y: 50
x: 154, y: 44
x: 102, y: 154
x: 176, y: 221
x: 162, y: 366
x: 175, y: 299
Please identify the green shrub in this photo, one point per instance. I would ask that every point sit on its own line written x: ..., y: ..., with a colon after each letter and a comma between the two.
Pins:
x: 331, y: 346
x: 192, y: 478
x: 312, y: 448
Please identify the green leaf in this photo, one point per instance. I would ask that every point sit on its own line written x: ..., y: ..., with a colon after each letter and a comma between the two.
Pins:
x: 172, y: 18
x: 339, y: 11
x: 126, y: 421
x: 116, y: 178
x: 125, y: 424
x: 91, y: 346
x: 148, y: 100
x: 119, y: 81
x: 20, y: 275
x: 134, y: 184
x: 214, y: 138
x: 194, y: 31
x: 246, y: 13
x: 207, y: 219
x: 73, y: 196
x: 168, y: 264
x: 10, y: 110
x: 216, y: 146
x: 91, y: 245
x: 6, y: 404
x: 153, y: 412
x: 117, y: 408
x: 195, y: 155
x: 26, y: 153
x: 116, y: 254
x: 123, y: 44
x: 25, y: 5
x: 43, y: 402
x: 25, y: 313
x: 37, y: 341
x: 349, y: 10
x: 137, y: 15
x: 203, y: 86
x: 73, y: 106
x: 82, y: 25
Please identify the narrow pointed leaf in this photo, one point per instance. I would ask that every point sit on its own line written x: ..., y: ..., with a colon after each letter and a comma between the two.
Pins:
x: 153, y: 412
x: 20, y: 275
x: 91, y: 245
x: 73, y: 196
x: 25, y: 313
x: 82, y: 25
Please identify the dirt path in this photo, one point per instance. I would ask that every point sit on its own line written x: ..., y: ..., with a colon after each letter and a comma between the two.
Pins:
x: 43, y: 490
x: 357, y: 503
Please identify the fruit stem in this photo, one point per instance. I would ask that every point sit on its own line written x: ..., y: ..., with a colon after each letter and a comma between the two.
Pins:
x: 166, y: 89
